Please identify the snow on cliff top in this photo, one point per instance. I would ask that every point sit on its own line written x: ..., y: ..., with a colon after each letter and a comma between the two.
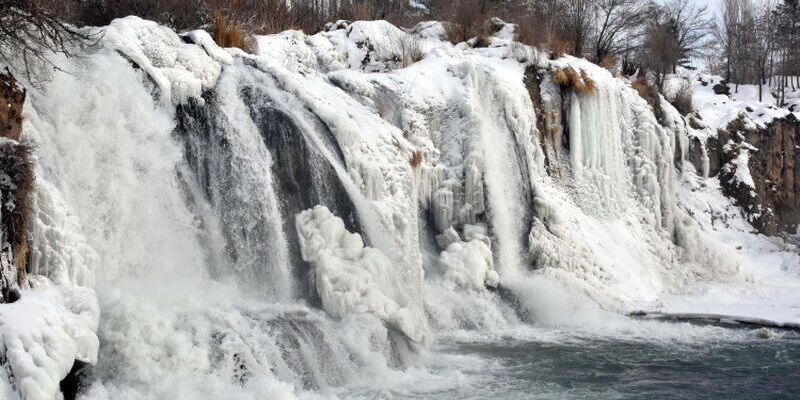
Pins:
x: 717, y: 110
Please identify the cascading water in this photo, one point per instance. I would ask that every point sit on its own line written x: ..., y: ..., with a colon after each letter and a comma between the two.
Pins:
x: 267, y: 225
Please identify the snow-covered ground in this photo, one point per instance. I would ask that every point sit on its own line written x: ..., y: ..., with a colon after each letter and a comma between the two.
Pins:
x: 767, y: 286
x: 717, y: 110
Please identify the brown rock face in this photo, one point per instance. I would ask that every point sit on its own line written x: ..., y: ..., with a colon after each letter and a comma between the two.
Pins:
x: 12, y: 97
x: 773, y: 206
x: 549, y: 120
x: 15, y: 189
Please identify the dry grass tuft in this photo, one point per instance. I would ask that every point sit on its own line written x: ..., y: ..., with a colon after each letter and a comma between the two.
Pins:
x: 585, y: 84
x: 647, y: 91
x: 683, y: 101
x: 230, y: 34
x: 483, y: 39
x: 560, y: 77
x: 610, y: 64
x: 569, y: 78
x: 410, y: 50
x: 416, y: 159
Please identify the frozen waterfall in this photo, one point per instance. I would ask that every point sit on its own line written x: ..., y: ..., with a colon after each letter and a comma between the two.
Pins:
x: 288, y: 222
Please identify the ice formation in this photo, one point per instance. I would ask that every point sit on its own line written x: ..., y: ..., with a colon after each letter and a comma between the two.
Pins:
x: 469, y: 265
x: 351, y: 278
x: 291, y: 220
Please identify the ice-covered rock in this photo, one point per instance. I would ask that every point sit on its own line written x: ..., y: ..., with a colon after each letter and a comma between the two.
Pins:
x: 469, y: 265
x: 447, y: 237
x: 351, y: 278
x: 180, y: 70
x: 477, y: 232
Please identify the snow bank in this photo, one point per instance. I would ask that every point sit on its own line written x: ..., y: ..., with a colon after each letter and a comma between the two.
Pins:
x: 740, y: 168
x: 351, y: 278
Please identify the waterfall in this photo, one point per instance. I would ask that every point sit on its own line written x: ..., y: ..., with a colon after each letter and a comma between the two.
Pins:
x: 313, y: 217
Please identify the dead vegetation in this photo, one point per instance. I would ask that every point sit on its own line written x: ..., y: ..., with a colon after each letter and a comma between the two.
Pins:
x: 570, y: 79
x: 610, y: 64
x: 647, y: 91
x: 416, y: 159
x: 410, y: 50
x: 682, y: 100
x: 230, y: 34
x: 465, y: 20
x: 539, y: 29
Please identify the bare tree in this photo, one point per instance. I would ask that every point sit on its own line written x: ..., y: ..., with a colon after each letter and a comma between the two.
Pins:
x: 787, y: 45
x: 660, y: 51
x: 619, y: 20
x: 31, y: 30
x: 728, y: 34
x: 577, y: 18
x: 691, y: 25
x: 762, y: 45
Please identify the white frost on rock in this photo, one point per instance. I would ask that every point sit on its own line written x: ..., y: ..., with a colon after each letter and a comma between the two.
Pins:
x: 469, y: 265
x: 351, y: 278
x: 740, y: 168
x: 204, y: 40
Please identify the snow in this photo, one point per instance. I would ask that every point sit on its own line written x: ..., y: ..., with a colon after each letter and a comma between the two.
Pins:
x: 741, y: 170
x: 717, y: 110
x: 765, y: 290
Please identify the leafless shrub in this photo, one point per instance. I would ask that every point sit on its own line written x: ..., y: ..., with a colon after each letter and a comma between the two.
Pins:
x: 682, y: 100
x: 647, y: 91
x: 410, y: 50
x: 465, y: 19
x: 534, y: 32
x: 178, y: 14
